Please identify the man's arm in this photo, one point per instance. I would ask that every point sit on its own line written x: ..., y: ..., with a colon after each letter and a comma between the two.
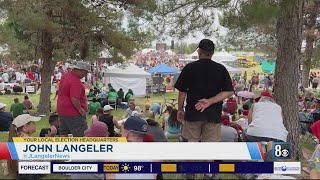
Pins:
x: 76, y: 104
x: 181, y: 99
x: 205, y: 103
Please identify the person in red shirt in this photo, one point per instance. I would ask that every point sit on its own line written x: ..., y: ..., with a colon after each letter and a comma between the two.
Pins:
x: 72, y: 103
x: 30, y: 75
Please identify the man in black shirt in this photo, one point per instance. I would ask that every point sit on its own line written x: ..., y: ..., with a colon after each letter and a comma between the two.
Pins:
x: 206, y: 84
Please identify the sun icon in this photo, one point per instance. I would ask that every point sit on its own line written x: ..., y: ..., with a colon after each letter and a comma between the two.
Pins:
x: 125, y: 167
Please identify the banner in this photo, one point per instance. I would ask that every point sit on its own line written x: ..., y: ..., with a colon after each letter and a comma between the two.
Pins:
x: 83, y: 148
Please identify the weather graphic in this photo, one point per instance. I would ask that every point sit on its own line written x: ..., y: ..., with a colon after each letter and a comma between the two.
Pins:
x: 125, y: 167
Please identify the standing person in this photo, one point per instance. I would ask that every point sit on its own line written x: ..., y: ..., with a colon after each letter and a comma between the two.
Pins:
x: 72, y: 103
x: 206, y: 84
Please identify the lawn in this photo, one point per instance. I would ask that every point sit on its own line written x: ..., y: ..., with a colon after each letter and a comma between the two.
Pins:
x: 43, y: 123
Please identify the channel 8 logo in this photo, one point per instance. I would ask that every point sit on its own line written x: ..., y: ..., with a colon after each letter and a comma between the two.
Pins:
x: 281, y: 150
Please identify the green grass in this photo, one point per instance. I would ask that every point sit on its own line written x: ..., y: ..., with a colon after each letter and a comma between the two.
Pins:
x: 43, y: 123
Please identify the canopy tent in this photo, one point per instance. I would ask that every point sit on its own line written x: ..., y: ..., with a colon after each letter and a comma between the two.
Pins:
x: 231, y: 70
x: 128, y: 77
x: 163, y: 69
x: 268, y: 67
x: 224, y: 56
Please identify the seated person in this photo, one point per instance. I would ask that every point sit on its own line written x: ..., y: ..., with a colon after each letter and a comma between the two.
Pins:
x: 132, y: 107
x: 265, y: 121
x: 147, y: 113
x: 54, y: 125
x: 94, y: 105
x: 27, y: 103
x: 16, y: 108
x: 112, y: 96
x: 121, y: 95
x: 91, y: 93
x: 97, y: 129
x: 156, y: 131
x: 129, y: 95
x: 231, y: 105
x: 228, y: 133
x: 108, y: 119
x: 172, y: 127
x: 243, y: 121
x: 156, y: 108
x: 315, y: 114
x: 6, y: 118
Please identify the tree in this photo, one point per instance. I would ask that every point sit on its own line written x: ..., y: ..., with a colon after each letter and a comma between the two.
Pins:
x: 289, y: 39
x: 59, y: 29
x: 310, y: 19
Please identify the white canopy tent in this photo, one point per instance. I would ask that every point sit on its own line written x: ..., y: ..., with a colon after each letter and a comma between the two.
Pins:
x: 129, y: 77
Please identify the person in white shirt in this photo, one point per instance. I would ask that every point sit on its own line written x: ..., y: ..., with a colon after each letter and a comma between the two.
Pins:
x: 5, y: 77
x: 18, y: 76
x: 265, y: 121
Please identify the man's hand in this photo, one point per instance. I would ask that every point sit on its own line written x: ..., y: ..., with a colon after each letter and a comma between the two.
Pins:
x: 82, y: 112
x: 180, y: 115
x: 203, y: 104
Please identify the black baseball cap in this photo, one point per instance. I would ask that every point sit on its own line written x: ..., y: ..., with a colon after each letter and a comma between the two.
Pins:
x: 206, y: 45
x: 136, y: 124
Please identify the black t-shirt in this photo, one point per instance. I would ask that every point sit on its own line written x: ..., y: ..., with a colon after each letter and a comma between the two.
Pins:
x: 5, y: 121
x: 203, y: 79
x: 108, y: 119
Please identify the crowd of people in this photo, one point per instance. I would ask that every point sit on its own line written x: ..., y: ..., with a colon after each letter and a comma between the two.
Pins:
x: 156, y: 57
x: 208, y: 110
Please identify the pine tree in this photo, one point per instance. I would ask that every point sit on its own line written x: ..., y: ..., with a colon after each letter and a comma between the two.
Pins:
x: 55, y: 30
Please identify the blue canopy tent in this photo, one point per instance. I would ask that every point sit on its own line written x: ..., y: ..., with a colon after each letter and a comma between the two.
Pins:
x: 163, y: 69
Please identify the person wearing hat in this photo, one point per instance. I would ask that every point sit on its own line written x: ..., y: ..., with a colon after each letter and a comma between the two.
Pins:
x: 265, y: 121
x: 108, y: 119
x: 97, y: 129
x: 5, y: 118
x: 135, y: 129
x: 72, y: 103
x: 22, y: 126
x: 206, y: 84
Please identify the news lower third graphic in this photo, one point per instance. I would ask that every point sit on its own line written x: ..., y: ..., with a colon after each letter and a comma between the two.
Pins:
x: 33, y: 167
x: 80, y: 149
